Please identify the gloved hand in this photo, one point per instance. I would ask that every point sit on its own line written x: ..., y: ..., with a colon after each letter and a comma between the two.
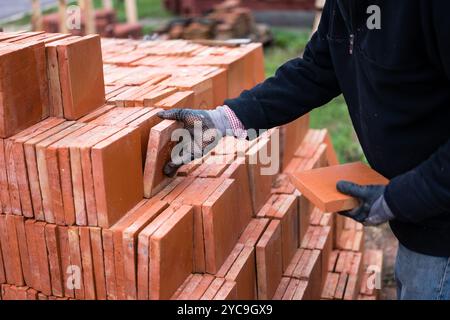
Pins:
x: 206, y: 128
x: 373, y: 209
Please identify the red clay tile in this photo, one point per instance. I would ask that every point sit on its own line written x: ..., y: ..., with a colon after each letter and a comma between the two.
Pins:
x: 19, y: 74
x: 319, y: 185
x: 98, y: 262
x: 63, y: 241
x: 54, y: 258
x: 282, y: 286
x: 201, y: 287
x: 243, y: 273
x: 44, y: 271
x: 81, y: 76
x: 269, y: 261
x: 190, y: 286
x: 330, y: 286
x: 114, y: 195
x: 4, y: 190
x: 340, y: 289
x: 181, y: 288
x: 212, y: 290
x: 12, y: 178
x: 158, y: 154
x: 145, y: 215
x: 292, y: 136
x: 291, y: 289
x: 76, y: 262
x: 168, y: 270
x: 110, y: 272
x: 24, y: 254
x: 220, y: 235
x: 228, y: 291
x: 87, y: 263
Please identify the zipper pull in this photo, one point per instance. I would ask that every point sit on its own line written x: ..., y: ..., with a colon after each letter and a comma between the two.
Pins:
x: 352, y: 43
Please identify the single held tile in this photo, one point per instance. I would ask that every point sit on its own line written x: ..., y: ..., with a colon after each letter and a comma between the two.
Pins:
x: 269, y: 262
x: 319, y: 185
x: 159, y: 151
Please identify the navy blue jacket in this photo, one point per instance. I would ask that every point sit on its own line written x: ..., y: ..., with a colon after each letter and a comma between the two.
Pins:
x: 396, y: 82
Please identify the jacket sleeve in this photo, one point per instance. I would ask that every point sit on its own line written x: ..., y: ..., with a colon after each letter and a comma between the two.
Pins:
x: 298, y: 86
x: 427, y: 186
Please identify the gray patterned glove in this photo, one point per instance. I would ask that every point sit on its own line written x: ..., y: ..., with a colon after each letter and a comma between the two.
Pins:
x: 211, y: 125
x: 373, y: 209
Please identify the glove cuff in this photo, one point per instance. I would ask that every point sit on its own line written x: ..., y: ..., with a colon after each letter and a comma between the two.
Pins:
x: 226, y: 121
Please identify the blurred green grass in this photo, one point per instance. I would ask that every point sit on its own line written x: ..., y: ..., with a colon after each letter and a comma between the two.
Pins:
x: 290, y: 43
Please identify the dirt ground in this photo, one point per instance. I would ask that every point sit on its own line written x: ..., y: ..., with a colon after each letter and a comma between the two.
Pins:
x: 383, y: 238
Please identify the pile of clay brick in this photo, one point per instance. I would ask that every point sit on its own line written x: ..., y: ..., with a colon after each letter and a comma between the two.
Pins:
x: 88, y: 214
x: 196, y: 7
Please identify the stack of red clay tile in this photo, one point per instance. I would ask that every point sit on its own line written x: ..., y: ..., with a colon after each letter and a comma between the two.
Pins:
x: 88, y: 214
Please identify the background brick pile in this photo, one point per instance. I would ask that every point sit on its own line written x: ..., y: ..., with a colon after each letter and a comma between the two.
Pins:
x: 82, y: 191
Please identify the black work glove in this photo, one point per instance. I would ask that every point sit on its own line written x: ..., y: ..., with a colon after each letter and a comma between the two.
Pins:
x: 373, y: 209
x: 206, y: 128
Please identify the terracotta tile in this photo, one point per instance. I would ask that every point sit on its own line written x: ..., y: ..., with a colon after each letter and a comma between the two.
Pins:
x: 212, y: 290
x: 144, y: 216
x: 201, y: 287
x: 190, y: 286
x: 220, y: 235
x: 269, y: 261
x: 257, y: 232
x: 87, y: 263
x: 110, y: 271
x: 42, y: 167
x: 228, y: 291
x: 32, y: 168
x: 6, y: 251
x: 81, y: 76
x: 32, y: 294
x: 238, y: 171
x: 2, y: 268
x: 292, y: 136
x: 351, y: 290
x: 279, y: 293
x: 19, y: 74
x: 23, y: 249
x: 33, y: 254
x: 95, y: 136
x: 261, y: 193
x: 330, y: 286
x: 4, y: 190
x: 43, y: 262
x: 291, y: 289
x: 181, y: 99
x: 54, y: 258
x: 293, y: 263
x: 244, y: 274
x: 62, y: 194
x: 248, y: 231
x: 181, y: 288
x: 20, y: 162
x: 319, y: 185
x: 12, y: 178
x: 96, y: 113
x: 114, y: 196
x: 168, y: 270
x: 64, y: 251
x: 158, y: 154
x: 226, y: 266
x: 76, y: 262
x: 302, y: 291
x: 196, y: 195
x: 340, y: 289
x: 98, y: 263
x: 332, y: 260
x: 144, y: 252
x: 145, y: 123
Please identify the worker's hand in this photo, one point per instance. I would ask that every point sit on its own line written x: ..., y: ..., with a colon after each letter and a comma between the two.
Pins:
x: 206, y: 128
x: 373, y: 209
